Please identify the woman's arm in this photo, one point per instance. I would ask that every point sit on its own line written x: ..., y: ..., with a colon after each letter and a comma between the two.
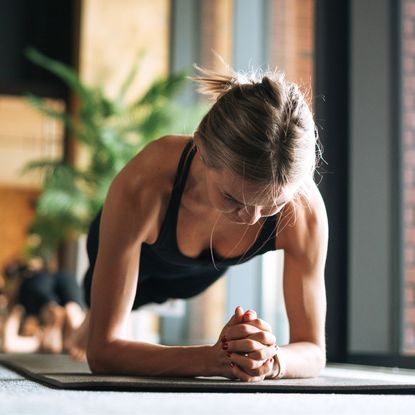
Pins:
x: 128, y: 215
x: 128, y: 218
x: 305, y: 251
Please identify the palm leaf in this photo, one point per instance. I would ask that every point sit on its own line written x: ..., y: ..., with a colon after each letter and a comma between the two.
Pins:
x: 42, y: 107
x: 67, y: 74
x: 48, y: 166
x: 129, y: 79
x: 111, y: 133
x: 162, y: 89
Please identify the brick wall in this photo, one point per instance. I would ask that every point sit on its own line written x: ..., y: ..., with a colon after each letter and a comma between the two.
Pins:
x: 408, y: 106
x: 291, y: 32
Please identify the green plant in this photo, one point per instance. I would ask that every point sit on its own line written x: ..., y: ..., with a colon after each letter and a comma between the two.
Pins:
x: 111, y: 132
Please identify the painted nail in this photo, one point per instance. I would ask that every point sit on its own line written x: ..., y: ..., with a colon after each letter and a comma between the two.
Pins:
x: 223, y: 339
x: 224, y: 346
x: 228, y: 354
x: 248, y: 315
x: 232, y: 364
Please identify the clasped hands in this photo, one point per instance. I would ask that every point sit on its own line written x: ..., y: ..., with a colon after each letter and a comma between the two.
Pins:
x: 246, y: 348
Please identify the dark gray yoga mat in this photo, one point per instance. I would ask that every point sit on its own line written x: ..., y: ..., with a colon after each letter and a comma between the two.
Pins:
x: 60, y: 371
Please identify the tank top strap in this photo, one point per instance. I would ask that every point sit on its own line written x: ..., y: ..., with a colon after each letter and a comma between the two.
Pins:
x: 168, y: 229
x: 183, y: 170
x: 268, y: 234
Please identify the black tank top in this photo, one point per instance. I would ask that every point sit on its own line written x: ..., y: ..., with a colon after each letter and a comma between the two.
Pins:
x: 165, y: 272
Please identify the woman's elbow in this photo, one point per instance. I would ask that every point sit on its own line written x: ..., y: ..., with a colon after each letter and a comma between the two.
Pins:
x: 97, y: 361
x: 323, y: 362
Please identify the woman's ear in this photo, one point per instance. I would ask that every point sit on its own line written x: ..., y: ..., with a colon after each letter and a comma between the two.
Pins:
x: 200, y: 154
x: 198, y: 150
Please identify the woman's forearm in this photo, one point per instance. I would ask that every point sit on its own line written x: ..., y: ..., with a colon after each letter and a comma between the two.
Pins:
x: 303, y: 360
x: 125, y: 357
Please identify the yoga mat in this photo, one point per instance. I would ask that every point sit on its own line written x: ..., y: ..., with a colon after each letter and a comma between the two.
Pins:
x: 60, y: 371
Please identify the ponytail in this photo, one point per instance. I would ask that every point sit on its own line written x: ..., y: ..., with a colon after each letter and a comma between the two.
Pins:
x: 214, y: 84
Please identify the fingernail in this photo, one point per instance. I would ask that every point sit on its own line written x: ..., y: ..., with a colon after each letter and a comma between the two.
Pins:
x: 228, y: 354
x: 223, y: 339
x: 232, y: 364
x: 224, y: 346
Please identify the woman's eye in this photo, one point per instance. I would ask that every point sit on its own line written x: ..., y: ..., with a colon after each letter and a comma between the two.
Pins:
x: 230, y: 200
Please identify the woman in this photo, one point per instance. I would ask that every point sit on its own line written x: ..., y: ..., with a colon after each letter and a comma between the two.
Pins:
x: 188, y: 207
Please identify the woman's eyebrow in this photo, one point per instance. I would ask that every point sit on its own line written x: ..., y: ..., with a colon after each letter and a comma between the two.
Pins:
x: 231, y: 197
x: 244, y: 204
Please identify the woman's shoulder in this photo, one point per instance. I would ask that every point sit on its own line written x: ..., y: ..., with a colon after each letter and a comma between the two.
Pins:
x: 304, y: 218
x: 154, y: 166
x: 148, y: 178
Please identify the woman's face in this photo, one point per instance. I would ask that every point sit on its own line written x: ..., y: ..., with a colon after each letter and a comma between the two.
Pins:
x: 237, y: 199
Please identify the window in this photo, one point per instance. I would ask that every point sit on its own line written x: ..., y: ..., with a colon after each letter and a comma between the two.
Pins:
x: 408, y: 166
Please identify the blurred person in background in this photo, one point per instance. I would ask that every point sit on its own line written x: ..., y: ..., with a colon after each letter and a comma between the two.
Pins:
x: 41, y: 308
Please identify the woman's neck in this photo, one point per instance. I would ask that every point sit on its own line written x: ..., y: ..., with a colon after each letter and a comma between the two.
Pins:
x: 195, y: 190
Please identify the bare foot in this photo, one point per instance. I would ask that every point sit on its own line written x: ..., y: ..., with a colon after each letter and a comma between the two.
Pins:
x: 75, y: 315
x: 76, y: 343
x: 53, y: 316
x: 13, y: 342
x: 31, y: 326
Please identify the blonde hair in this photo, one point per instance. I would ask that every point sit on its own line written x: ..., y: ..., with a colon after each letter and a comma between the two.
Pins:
x: 260, y: 127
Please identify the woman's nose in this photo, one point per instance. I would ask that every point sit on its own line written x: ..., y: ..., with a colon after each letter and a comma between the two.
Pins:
x: 250, y: 215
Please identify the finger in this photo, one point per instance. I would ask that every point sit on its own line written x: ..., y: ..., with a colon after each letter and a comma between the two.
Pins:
x: 261, y: 355
x: 240, y: 331
x: 239, y: 312
x: 249, y: 315
x: 267, y: 368
x: 237, y: 316
x: 253, y: 367
x: 259, y: 323
x: 245, y: 362
x: 243, y: 376
x: 244, y: 330
x: 266, y: 338
x: 242, y: 346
